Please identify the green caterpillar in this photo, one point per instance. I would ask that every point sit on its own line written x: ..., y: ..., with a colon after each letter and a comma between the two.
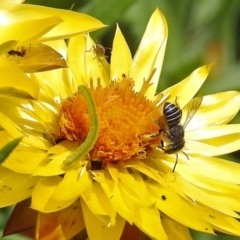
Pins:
x: 92, y: 136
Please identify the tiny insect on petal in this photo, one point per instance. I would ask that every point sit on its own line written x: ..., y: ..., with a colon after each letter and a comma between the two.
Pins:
x: 36, y: 58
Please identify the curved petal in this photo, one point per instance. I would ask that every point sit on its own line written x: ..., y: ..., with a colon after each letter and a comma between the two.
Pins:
x: 84, y: 62
x: 215, y: 109
x: 52, y: 166
x: 148, y: 221
x: 214, y: 147
x: 96, y: 229
x: 186, y: 89
x: 225, y: 203
x: 14, y: 131
x: 150, y: 53
x: 174, y: 229
x: 78, y: 181
x: 219, y: 221
x: 99, y: 204
x: 36, y: 58
x: 176, y: 208
x: 72, y: 21
x: 15, y: 187
x: 25, y: 32
x: 218, y: 132
x: 121, y: 60
x: 63, y: 224
x: 118, y: 199
x: 25, y: 159
x: 42, y: 196
x: 215, y: 168
x: 52, y: 84
x: 15, y: 81
x: 134, y: 186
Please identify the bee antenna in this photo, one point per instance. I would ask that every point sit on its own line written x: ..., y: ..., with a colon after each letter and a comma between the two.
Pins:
x: 175, y: 163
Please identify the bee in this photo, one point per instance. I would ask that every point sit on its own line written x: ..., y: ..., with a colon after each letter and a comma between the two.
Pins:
x: 99, y: 52
x: 172, y: 132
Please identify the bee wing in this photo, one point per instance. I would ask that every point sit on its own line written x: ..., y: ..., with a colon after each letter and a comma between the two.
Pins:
x: 194, y: 105
x: 162, y: 123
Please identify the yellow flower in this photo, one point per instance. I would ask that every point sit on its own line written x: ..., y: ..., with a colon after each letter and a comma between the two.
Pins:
x: 127, y: 176
x: 24, y: 26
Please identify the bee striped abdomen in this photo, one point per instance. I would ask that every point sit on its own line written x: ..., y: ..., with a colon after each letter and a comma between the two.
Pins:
x: 172, y: 113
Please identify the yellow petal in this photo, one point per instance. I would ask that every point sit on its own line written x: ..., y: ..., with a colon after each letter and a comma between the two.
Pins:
x: 54, y: 88
x: 15, y: 187
x: 61, y: 147
x: 5, y: 138
x: 96, y: 229
x: 6, y: 46
x: 25, y: 32
x: 37, y: 58
x: 213, y: 148
x: 61, y: 225
x: 217, y: 132
x: 134, y: 187
x: 143, y: 168
x: 148, y: 221
x: 12, y: 128
x: 113, y: 171
x: 72, y: 21
x: 53, y: 165
x: 25, y: 159
x: 42, y: 196
x: 216, y: 168
x: 12, y: 1
x: 186, y: 89
x: 192, y: 175
x: 78, y: 182
x: 176, y: 208
x: 121, y: 60
x: 220, y: 221
x: 121, y: 203
x: 17, y: 82
x: 175, y: 230
x: 84, y: 63
x: 224, y: 203
x: 215, y: 109
x: 150, y: 52
x: 99, y: 204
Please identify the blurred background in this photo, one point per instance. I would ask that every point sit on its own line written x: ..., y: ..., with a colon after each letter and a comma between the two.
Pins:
x: 200, y: 32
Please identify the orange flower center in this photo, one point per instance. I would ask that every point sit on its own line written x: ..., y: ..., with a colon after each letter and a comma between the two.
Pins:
x: 124, y: 116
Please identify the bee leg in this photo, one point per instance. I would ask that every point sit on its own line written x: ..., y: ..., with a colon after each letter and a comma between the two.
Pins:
x: 156, y: 121
x: 185, y: 155
x: 175, y: 163
x: 92, y: 48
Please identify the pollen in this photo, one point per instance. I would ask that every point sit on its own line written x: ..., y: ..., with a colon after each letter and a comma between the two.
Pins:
x: 124, y: 116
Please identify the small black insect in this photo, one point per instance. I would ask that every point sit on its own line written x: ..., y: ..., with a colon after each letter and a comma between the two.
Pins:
x: 164, y: 197
x: 18, y: 53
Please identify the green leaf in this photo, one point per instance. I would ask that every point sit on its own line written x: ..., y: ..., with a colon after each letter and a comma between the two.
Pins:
x: 8, y: 148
